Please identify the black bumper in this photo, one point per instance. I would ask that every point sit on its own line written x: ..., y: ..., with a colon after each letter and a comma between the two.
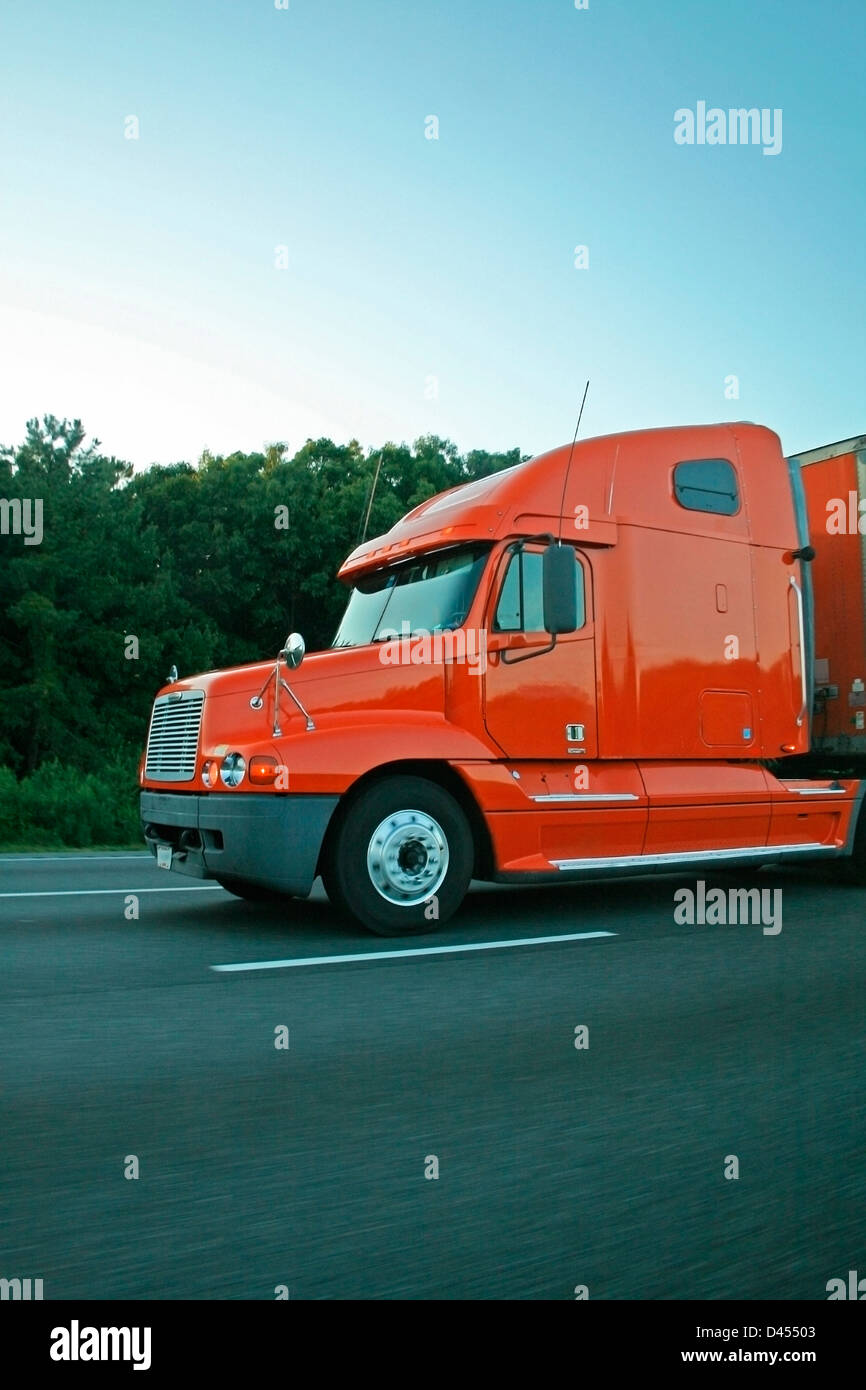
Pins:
x: 273, y: 841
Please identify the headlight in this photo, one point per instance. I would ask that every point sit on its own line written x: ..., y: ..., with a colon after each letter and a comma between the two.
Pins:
x: 232, y: 769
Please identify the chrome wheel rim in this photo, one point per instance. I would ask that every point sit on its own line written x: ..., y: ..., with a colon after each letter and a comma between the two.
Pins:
x: 407, y: 858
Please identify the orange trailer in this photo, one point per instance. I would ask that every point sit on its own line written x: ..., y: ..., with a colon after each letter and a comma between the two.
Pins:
x: 600, y: 661
x: 834, y: 479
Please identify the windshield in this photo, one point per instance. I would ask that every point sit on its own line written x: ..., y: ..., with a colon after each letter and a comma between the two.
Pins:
x: 428, y: 594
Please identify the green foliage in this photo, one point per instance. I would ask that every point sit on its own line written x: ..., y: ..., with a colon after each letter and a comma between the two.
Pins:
x: 58, y: 805
x: 10, y: 808
x: 185, y: 558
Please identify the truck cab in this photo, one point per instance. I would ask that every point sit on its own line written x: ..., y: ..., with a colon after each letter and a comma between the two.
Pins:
x: 597, y: 662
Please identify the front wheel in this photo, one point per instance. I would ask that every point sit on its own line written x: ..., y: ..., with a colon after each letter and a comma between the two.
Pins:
x: 401, y: 857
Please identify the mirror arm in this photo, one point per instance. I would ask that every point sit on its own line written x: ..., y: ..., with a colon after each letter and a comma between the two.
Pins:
x: 257, y: 701
x: 290, y: 692
x: 277, y: 732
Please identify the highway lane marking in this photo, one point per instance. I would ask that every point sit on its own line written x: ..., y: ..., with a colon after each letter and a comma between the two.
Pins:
x: 418, y: 951
x: 94, y: 892
x: 68, y: 858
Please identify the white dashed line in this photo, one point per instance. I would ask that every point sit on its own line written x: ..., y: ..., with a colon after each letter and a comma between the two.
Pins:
x: 69, y: 858
x: 419, y: 951
x: 94, y: 892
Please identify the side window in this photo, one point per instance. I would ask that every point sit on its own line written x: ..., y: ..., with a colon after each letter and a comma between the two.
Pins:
x: 707, y: 485
x: 521, y: 605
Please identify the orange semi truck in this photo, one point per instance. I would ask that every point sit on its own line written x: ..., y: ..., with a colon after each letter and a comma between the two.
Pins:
x: 639, y: 654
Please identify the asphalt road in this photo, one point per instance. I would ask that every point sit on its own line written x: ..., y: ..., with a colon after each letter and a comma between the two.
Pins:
x: 305, y: 1166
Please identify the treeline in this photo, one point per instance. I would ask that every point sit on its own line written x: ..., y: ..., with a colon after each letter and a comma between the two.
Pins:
x: 117, y: 574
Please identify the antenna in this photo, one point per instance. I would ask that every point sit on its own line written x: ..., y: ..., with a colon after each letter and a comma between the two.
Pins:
x: 370, y: 500
x: 568, y: 465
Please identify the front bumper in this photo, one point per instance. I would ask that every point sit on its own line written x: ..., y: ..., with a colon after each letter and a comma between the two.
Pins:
x: 272, y: 841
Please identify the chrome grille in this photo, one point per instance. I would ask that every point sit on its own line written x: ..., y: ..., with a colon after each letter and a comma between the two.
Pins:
x: 172, y: 743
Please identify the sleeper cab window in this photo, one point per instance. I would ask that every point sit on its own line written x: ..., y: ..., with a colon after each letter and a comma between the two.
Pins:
x: 521, y: 605
x: 707, y: 485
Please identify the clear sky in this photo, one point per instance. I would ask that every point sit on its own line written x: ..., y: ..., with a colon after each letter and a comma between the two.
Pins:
x: 430, y: 284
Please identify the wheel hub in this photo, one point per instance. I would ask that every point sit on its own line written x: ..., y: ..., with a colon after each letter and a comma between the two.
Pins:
x: 407, y: 858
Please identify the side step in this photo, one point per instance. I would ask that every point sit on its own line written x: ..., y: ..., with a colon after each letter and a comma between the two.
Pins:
x: 767, y: 854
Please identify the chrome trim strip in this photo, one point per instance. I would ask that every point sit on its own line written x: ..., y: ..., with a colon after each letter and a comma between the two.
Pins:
x: 707, y: 856
x: 587, y: 796
x: 815, y: 791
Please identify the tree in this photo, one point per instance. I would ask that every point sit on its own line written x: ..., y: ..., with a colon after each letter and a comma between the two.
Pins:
x: 187, y: 559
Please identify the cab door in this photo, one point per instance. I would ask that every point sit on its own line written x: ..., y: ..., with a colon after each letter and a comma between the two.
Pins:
x: 538, y: 703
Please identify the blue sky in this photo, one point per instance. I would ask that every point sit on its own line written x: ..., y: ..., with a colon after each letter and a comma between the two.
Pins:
x: 138, y: 281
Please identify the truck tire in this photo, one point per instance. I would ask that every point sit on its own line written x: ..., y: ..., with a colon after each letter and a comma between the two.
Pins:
x: 401, y: 857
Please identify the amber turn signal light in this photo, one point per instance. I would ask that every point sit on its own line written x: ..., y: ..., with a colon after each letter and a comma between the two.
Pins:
x: 263, y: 770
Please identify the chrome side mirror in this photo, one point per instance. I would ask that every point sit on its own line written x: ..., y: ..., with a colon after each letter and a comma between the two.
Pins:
x: 293, y: 651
